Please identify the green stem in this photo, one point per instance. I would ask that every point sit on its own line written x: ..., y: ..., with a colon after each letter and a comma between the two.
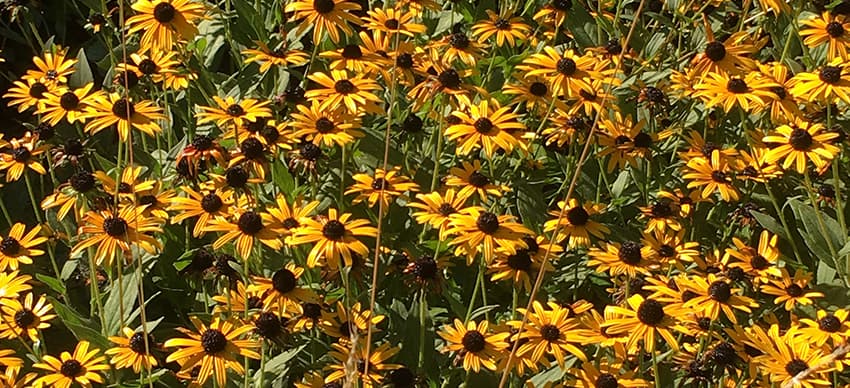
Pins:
x: 474, y: 296
x: 655, y: 373
x: 781, y: 215
x: 423, y: 319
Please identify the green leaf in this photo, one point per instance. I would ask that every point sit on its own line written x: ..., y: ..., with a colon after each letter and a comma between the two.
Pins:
x: 114, y: 305
x: 620, y: 184
x: 83, y: 329
x: 530, y: 202
x: 82, y: 75
x: 53, y: 283
x: 817, y: 242
x: 279, y: 365
x: 770, y: 224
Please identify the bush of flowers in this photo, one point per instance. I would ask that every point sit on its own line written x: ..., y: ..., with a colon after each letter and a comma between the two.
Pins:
x: 423, y: 193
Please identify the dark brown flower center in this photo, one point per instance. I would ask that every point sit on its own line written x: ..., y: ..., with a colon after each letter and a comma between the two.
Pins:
x: 352, y: 51
x: 333, y: 230
x: 459, y: 41
x: 404, y: 61
x: 69, y: 101
x: 829, y: 324
x: 425, y: 268
x: 487, y: 222
x: 650, y: 312
x: 478, y: 179
x: 311, y: 310
x: 391, y: 24
x: 268, y: 325
x: 147, y: 66
x: 115, y: 226
x: 830, y: 74
x: 10, y: 246
x: 123, y: 109
x: 379, y: 184
x: 562, y: 5
x: 566, y: 66
x: 520, y: 261
x: 71, y: 368
x: 450, y: 79
x: 715, y: 51
x: 719, y: 176
x: 252, y: 148
x: 737, y: 86
x: 323, y: 6
x: 82, y: 181
x: 795, y: 367
x: 236, y: 176
x: 250, y: 223
x: 211, y: 203
x: 310, y: 152
x: 137, y: 343
x: 344, y: 86
x: 794, y: 291
x: 779, y: 91
x: 446, y: 209
x: 538, y: 89
x: 834, y: 29
x: 21, y: 154
x: 402, y: 377
x: 148, y: 200
x: 37, y: 90
x: 662, y: 209
x: 704, y: 323
x: 723, y: 354
x: 291, y: 223
x: 473, y: 341
x: 720, y: 291
x: 654, y: 95
x: 164, y: 12
x: 630, y: 253
x: 606, y: 380
x: 213, y: 341
x: 202, y: 142
x: 24, y: 318
x: 666, y: 251
x: 577, y: 216
x: 235, y: 110
x: 284, y: 281
x: 758, y: 262
x: 800, y: 139
x: 643, y: 140
x: 324, y: 125
x: 550, y: 333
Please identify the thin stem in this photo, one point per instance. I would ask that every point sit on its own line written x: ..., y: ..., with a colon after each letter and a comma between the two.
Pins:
x: 423, y: 319
x: 783, y: 221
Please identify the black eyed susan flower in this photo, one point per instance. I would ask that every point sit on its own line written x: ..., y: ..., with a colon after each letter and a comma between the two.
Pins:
x: 786, y: 356
x: 554, y: 12
x: 832, y: 327
x: 477, y: 230
x: 268, y: 58
x: 165, y: 22
x: 591, y: 98
x: 325, y: 15
x: 628, y: 258
x: 713, y: 175
x: 338, y: 89
x: 661, y: 215
x: 345, y: 323
x: 671, y: 247
x: 25, y: 318
x: 715, y: 294
x: 215, y: 348
x: 371, y: 367
x: 352, y: 57
x: 116, y: 232
x: 474, y: 344
x: 315, y: 380
x: 750, y: 92
x: 520, y: 267
x: 440, y: 79
x: 566, y: 72
x: 784, y: 105
x: 71, y: 105
x: 829, y: 84
x: 834, y: 30
x: 643, y: 319
x: 83, y: 367
x: 18, y: 248
x: 22, y: 154
x: 155, y: 201
x: 206, y: 205
x: 252, y: 155
x: 247, y: 227
x: 457, y: 46
x: 132, y: 350
x: 29, y: 93
x: 129, y: 186
x: 52, y: 68
x: 488, y: 125
x: 800, y: 142
x: 12, y: 378
x: 549, y: 331
x: 576, y: 223
x: 729, y: 56
x: 471, y: 180
x: 114, y: 109
x: 280, y: 291
x: 534, y: 92
x: 753, y: 164
x: 760, y: 262
x: 792, y: 291
x: 160, y: 66
x: 382, y: 186
x: 308, y: 315
x: 327, y: 127
x: 393, y: 21
x: 203, y: 151
x: 505, y: 29
x: 230, y: 112
x: 291, y: 216
x: 436, y: 209
x: 334, y: 236
x: 624, y: 140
